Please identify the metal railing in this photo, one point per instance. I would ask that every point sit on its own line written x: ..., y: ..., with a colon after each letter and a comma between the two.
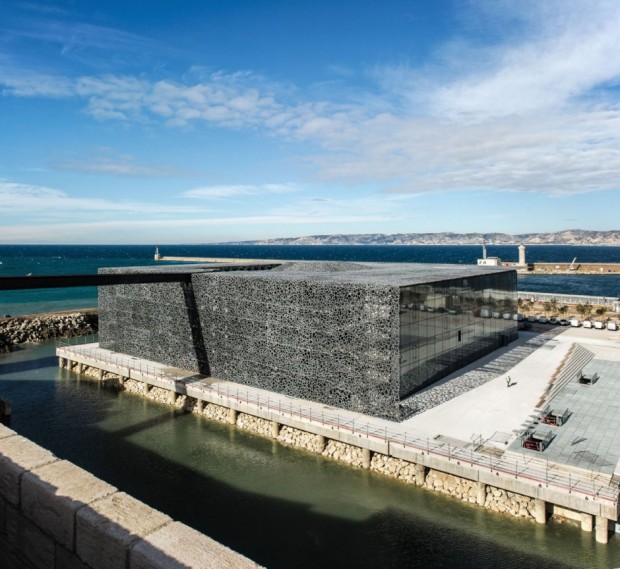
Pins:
x: 537, y: 471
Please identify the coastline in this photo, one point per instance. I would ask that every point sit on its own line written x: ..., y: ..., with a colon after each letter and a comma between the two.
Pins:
x: 35, y: 328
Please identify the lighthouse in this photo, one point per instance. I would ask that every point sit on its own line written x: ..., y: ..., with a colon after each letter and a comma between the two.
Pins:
x: 522, y: 255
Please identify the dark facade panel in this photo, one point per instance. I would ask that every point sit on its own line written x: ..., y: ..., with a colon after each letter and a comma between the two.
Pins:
x: 344, y: 337
x: 331, y: 342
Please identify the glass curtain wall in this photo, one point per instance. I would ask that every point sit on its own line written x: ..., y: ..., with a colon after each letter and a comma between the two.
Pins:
x: 448, y: 324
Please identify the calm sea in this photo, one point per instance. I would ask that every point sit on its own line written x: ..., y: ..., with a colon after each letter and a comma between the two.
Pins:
x: 80, y: 259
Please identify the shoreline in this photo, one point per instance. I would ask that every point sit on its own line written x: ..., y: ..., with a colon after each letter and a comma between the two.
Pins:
x: 49, y: 314
x: 36, y: 328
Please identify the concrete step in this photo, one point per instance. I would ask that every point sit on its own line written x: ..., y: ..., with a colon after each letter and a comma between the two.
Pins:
x: 569, y: 370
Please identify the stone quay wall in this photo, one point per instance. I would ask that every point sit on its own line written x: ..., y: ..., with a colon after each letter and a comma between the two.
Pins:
x: 489, y: 497
x: 42, y: 327
x: 378, y: 458
x: 54, y: 515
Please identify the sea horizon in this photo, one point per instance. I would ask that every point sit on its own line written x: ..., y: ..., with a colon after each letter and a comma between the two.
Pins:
x: 87, y: 259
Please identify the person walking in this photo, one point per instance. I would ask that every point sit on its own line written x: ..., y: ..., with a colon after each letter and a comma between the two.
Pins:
x: 507, y: 381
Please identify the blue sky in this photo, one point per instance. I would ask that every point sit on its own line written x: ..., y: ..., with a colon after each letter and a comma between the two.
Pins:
x: 207, y: 121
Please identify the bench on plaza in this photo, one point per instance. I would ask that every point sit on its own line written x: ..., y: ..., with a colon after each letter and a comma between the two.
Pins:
x: 555, y: 417
x: 537, y: 440
x: 588, y: 378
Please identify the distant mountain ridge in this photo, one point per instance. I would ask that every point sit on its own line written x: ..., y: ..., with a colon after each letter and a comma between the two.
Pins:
x: 568, y: 237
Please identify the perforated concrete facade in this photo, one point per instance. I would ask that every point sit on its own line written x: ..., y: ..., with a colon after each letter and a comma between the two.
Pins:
x: 328, y: 332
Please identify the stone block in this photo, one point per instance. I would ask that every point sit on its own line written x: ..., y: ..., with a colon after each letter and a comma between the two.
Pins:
x: 106, y: 529
x: 8, y: 555
x: 6, y: 432
x: 52, y: 494
x: 2, y: 516
x: 67, y: 560
x: 177, y: 546
x: 27, y: 539
x: 18, y: 455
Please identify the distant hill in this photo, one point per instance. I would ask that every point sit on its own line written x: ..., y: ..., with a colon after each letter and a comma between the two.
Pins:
x: 568, y: 237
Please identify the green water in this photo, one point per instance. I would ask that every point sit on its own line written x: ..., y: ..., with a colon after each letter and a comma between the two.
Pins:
x: 279, y: 506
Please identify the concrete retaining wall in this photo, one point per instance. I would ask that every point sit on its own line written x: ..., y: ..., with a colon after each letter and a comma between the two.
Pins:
x: 54, y: 515
x: 462, y: 481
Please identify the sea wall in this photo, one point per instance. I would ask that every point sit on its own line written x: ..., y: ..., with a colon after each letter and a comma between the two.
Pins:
x: 495, y: 499
x: 41, y: 327
x: 53, y: 514
x: 481, y: 488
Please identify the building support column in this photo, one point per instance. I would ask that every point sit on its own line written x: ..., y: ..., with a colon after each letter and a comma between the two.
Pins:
x: 146, y: 388
x: 587, y: 522
x: 62, y: 362
x: 201, y: 405
x: 481, y: 493
x: 101, y: 372
x: 275, y: 429
x: 321, y: 442
x: 366, y: 458
x: 172, y: 397
x: 420, y: 474
x: 540, y: 511
x: 602, y: 529
x: 232, y: 416
x: 80, y: 368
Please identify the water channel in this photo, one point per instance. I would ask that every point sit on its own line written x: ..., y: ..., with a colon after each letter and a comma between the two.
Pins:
x: 282, y: 507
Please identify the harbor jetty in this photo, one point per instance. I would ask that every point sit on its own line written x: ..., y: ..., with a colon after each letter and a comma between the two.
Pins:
x: 574, y: 268
x: 522, y: 266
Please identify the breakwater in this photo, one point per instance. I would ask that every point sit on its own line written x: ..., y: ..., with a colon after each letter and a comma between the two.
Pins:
x: 559, y: 268
x: 520, y: 490
x: 41, y: 327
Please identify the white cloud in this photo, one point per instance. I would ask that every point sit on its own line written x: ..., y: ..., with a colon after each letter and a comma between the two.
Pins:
x: 117, y: 165
x: 575, y: 49
x: 530, y: 111
x: 156, y: 231
x: 39, y: 200
x: 229, y: 191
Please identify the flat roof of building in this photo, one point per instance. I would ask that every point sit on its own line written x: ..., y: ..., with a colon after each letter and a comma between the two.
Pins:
x: 378, y: 274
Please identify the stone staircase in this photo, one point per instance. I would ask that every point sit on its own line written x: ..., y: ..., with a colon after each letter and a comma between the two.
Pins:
x: 570, y: 369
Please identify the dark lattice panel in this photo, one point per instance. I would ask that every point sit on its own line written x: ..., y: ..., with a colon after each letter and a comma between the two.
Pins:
x: 150, y: 321
x: 327, y: 332
x: 332, y: 342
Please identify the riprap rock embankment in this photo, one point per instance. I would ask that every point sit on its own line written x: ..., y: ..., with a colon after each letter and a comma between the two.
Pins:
x: 41, y: 327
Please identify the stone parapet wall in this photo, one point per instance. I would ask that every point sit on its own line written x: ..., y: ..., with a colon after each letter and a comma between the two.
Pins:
x: 54, y: 515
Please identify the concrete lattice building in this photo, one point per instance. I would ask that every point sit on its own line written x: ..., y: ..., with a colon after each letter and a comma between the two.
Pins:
x: 360, y: 336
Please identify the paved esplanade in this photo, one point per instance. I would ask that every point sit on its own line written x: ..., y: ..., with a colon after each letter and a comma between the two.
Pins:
x: 497, y: 414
